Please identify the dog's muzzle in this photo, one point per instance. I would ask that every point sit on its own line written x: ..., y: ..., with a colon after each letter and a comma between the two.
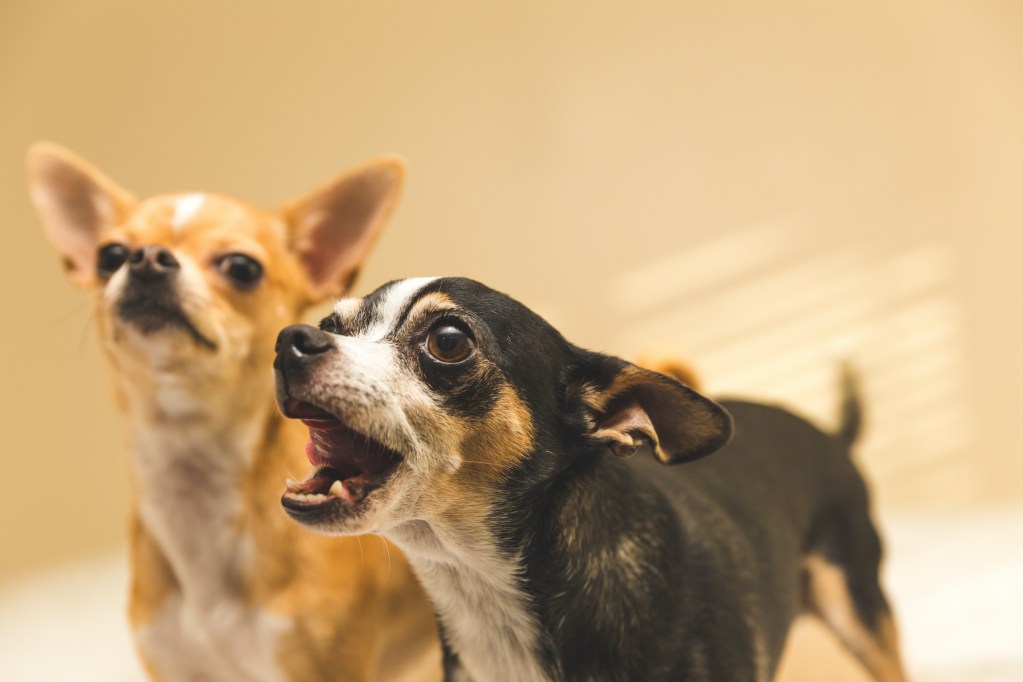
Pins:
x: 297, y: 344
x: 151, y: 300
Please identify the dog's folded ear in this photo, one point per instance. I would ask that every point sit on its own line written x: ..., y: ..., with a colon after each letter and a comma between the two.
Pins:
x: 334, y: 226
x: 627, y: 407
x: 76, y: 203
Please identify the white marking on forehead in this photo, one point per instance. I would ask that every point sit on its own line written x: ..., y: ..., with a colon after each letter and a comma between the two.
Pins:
x: 395, y: 300
x: 185, y: 209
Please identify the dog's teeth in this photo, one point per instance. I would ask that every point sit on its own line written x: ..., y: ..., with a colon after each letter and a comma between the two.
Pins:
x: 311, y: 497
x: 337, y: 489
x: 292, y: 485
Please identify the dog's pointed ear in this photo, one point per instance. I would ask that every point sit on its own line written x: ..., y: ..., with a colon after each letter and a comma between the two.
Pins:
x: 76, y: 203
x: 626, y: 407
x: 334, y: 226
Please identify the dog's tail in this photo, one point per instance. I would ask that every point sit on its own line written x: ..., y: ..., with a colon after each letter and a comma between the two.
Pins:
x: 851, y: 418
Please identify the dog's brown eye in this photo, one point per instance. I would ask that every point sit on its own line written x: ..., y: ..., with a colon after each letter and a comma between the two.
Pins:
x: 448, y: 343
x: 243, y: 271
x: 109, y: 258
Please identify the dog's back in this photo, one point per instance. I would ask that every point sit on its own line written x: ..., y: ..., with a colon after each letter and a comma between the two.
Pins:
x: 782, y: 516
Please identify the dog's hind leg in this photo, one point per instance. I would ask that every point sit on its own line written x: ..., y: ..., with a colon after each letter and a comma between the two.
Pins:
x: 842, y: 561
x: 848, y: 598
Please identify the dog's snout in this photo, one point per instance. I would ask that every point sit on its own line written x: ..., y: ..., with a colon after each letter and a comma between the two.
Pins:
x: 299, y: 341
x: 152, y: 262
x: 304, y: 339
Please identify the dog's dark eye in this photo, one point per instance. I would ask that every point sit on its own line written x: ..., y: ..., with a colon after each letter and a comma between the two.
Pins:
x: 330, y: 324
x: 448, y: 343
x: 109, y: 258
x: 243, y: 271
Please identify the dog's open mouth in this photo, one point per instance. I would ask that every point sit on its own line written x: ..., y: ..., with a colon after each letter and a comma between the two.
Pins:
x: 349, y: 465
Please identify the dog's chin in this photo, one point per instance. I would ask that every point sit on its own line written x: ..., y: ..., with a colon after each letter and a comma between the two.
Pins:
x: 331, y: 518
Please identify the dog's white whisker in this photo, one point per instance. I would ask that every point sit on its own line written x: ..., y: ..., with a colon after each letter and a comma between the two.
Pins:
x: 387, y: 550
x: 60, y: 318
x: 85, y: 325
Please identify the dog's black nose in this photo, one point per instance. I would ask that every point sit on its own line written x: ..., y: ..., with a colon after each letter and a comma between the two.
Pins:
x: 152, y: 262
x: 298, y: 341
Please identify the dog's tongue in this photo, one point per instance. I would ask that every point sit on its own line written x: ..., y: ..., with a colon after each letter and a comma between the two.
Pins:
x: 334, y: 444
x: 310, y: 452
x: 326, y: 440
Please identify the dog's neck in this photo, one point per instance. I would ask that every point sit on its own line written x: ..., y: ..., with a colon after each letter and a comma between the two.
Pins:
x: 576, y: 588
x: 193, y: 469
x: 485, y: 614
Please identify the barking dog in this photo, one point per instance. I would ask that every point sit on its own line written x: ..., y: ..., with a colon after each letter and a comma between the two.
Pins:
x: 189, y: 292
x: 457, y: 423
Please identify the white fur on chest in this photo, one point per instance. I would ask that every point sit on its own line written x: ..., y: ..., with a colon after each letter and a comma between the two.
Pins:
x: 189, y: 502
x: 485, y: 615
x: 228, y: 643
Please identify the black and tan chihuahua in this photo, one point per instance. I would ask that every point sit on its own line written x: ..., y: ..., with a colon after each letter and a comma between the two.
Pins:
x: 457, y: 423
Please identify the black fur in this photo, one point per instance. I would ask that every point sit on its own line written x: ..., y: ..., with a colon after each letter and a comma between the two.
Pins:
x: 716, y: 543
x: 640, y: 571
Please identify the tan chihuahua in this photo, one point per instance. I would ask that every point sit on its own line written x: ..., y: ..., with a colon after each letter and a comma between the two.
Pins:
x: 189, y: 292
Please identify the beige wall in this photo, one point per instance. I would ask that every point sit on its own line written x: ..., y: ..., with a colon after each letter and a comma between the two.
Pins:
x: 759, y: 185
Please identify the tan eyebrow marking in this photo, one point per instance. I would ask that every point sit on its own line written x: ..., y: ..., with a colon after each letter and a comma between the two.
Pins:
x: 347, y: 307
x: 429, y: 303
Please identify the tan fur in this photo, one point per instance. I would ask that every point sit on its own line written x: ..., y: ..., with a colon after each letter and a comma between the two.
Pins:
x: 489, y: 449
x: 829, y: 599
x: 433, y: 302
x: 349, y: 608
x: 152, y: 582
x: 486, y: 450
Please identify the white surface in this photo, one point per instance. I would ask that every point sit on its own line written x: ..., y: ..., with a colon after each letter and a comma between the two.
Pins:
x: 956, y: 580
x: 957, y: 585
x: 69, y: 623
